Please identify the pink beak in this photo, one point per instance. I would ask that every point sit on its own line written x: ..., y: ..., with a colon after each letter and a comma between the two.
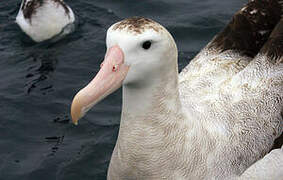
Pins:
x: 110, y: 77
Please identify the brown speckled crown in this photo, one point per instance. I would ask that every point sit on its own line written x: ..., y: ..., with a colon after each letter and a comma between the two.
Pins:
x: 29, y: 8
x: 137, y: 25
x: 250, y: 28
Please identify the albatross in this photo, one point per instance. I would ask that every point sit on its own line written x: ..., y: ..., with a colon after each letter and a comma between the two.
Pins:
x: 44, y: 19
x: 215, y: 119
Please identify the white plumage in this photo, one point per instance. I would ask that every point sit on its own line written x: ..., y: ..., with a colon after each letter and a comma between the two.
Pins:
x: 215, y: 119
x: 268, y: 168
x: 44, y: 19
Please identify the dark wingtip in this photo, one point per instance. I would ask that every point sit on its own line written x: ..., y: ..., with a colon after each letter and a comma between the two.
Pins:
x: 273, y: 48
x: 249, y: 28
x: 29, y: 8
x: 278, y: 142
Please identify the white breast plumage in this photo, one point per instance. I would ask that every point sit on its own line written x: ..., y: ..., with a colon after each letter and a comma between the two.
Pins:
x: 44, y: 19
x: 215, y: 119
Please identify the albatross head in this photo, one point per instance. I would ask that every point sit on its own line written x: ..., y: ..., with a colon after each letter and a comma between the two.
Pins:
x: 139, y: 51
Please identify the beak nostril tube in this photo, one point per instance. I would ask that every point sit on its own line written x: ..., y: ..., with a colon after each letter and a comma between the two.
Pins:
x: 104, y: 83
x: 115, y: 68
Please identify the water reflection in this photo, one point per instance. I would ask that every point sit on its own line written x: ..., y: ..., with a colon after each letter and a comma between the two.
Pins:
x: 42, y: 64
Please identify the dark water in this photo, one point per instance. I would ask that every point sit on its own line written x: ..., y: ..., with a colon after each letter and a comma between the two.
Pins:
x: 38, y: 82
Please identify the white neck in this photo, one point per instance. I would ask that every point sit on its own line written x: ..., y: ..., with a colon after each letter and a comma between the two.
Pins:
x: 153, y: 95
x: 152, y: 118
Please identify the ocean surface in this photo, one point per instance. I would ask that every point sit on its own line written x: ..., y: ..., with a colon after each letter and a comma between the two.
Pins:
x: 38, y: 82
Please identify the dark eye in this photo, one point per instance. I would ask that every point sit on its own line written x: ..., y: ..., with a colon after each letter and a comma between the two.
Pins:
x: 146, y: 45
